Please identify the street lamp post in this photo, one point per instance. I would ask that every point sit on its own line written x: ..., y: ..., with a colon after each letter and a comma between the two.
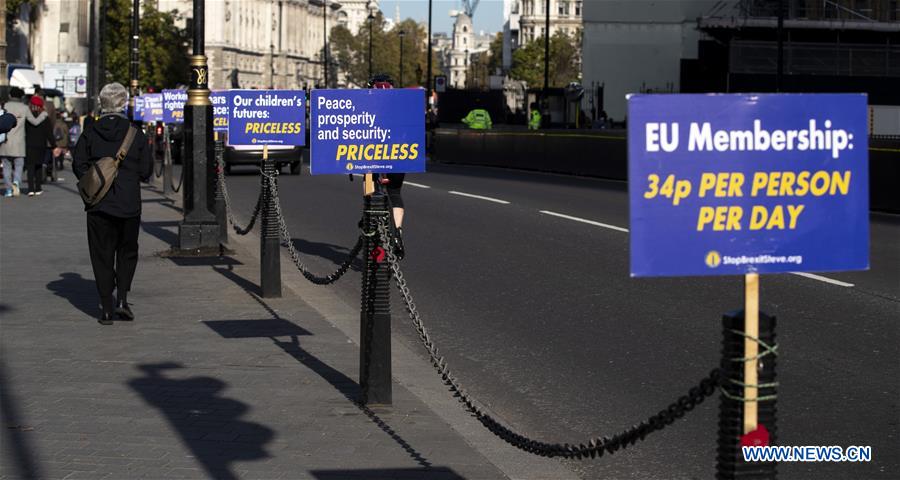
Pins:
x: 135, y: 29
x: 325, y: 40
x: 546, y: 46
x: 401, y: 34
x: 428, y: 73
x: 371, y: 20
x: 198, y: 233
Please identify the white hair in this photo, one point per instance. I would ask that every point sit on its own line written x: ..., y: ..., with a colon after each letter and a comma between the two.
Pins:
x: 113, y: 98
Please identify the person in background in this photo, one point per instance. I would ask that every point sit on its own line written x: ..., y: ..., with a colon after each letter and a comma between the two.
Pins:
x: 7, y: 123
x: 74, y: 130
x: 61, y: 137
x: 38, y: 141
x: 478, y: 119
x: 12, y: 151
x: 534, y: 122
x: 114, y: 222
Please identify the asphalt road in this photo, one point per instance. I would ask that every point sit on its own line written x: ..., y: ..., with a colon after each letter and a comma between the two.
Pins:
x: 539, y: 319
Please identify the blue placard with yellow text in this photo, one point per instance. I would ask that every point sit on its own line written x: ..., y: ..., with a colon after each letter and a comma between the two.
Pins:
x: 748, y: 183
x: 153, y: 107
x: 221, y: 102
x: 173, y: 105
x: 267, y: 117
x: 367, y: 131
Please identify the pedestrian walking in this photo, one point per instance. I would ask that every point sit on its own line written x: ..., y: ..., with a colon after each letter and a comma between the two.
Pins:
x: 113, y: 223
x: 38, y: 142
x: 61, y: 137
x: 12, y: 151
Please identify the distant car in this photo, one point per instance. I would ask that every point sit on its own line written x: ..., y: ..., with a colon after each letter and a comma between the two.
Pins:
x: 252, y: 155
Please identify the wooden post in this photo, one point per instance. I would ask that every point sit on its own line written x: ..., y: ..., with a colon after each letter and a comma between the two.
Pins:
x: 368, y: 185
x: 751, y: 350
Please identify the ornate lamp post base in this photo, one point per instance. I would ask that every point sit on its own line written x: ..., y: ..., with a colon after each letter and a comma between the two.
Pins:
x: 199, y: 231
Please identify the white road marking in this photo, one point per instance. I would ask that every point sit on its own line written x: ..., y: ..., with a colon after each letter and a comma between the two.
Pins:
x: 824, y: 279
x: 584, y: 220
x: 416, y: 184
x: 495, y: 200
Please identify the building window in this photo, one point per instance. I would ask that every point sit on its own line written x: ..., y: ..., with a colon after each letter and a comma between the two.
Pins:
x: 563, y: 8
x: 577, y: 9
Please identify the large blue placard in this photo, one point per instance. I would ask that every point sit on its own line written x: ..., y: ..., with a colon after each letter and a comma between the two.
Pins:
x: 221, y: 103
x: 748, y: 183
x: 173, y: 105
x: 139, y: 108
x: 367, y: 131
x: 153, y: 107
x: 267, y: 117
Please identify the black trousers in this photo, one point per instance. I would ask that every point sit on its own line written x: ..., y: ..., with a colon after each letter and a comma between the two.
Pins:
x: 35, y: 172
x: 113, y: 242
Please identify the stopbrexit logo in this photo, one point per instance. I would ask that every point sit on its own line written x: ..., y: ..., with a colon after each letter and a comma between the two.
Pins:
x: 350, y: 167
x: 713, y: 259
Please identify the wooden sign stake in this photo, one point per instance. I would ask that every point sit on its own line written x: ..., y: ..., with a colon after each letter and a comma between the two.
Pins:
x: 368, y: 185
x: 751, y: 350
x: 265, y: 152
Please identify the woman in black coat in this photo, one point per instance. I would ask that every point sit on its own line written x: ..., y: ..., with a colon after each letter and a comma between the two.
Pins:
x: 114, y: 222
x: 38, y: 140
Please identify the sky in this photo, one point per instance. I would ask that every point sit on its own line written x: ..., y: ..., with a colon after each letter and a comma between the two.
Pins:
x: 488, y: 15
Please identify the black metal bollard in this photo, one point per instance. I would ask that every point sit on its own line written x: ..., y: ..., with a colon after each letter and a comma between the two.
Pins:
x: 221, y: 216
x: 167, y: 163
x: 730, y: 460
x: 269, y: 235
x: 375, y: 312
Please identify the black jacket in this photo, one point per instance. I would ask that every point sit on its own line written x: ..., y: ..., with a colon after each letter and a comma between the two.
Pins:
x: 38, y: 138
x: 103, y: 139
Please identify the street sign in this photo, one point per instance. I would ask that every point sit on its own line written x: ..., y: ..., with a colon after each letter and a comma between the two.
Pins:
x: 173, y: 105
x: 220, y: 102
x: 440, y: 83
x: 69, y: 78
x: 153, y: 107
x: 267, y: 117
x: 367, y: 131
x: 747, y: 183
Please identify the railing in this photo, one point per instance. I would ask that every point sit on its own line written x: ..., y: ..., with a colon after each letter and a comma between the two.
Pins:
x: 816, y: 59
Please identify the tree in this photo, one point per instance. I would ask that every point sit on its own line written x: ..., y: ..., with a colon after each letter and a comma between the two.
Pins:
x: 352, y: 51
x: 528, y: 61
x: 495, y: 60
x: 163, y: 47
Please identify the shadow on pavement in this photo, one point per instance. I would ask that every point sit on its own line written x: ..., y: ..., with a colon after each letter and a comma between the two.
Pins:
x: 435, y: 473
x: 329, y: 251
x: 79, y: 291
x: 342, y: 383
x: 15, y: 434
x: 208, y: 423
x: 159, y: 230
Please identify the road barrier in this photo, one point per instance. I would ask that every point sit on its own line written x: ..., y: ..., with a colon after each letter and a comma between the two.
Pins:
x: 381, y: 265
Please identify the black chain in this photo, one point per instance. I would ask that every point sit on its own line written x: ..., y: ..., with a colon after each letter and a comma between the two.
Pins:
x: 220, y: 177
x: 595, y: 447
x: 287, y: 242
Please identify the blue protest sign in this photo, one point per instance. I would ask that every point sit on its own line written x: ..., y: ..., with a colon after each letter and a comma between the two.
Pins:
x: 220, y: 102
x: 367, y: 131
x: 267, y: 117
x: 747, y: 183
x: 139, y: 108
x: 153, y: 107
x: 173, y: 105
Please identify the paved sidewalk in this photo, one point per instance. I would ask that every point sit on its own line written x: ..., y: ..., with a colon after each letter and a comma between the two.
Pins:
x: 209, y: 382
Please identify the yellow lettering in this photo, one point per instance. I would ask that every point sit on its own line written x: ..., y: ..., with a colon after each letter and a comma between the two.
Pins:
x: 707, y: 180
x: 734, y: 187
x: 772, y: 187
x: 341, y: 151
x: 787, y: 184
x: 758, y: 217
x: 706, y: 216
x: 840, y: 182
x: 794, y: 211
x: 734, y: 218
x: 776, y: 220
x: 819, y: 183
x: 759, y: 181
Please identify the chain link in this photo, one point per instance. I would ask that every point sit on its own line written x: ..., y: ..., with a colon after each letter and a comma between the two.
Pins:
x: 595, y: 447
x: 220, y: 174
x: 286, y: 241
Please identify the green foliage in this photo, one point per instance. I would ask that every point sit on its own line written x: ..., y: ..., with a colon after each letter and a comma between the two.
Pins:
x: 162, y: 54
x: 495, y: 61
x: 528, y: 61
x: 351, y: 52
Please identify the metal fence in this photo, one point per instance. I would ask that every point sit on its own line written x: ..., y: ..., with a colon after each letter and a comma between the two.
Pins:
x: 816, y: 59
